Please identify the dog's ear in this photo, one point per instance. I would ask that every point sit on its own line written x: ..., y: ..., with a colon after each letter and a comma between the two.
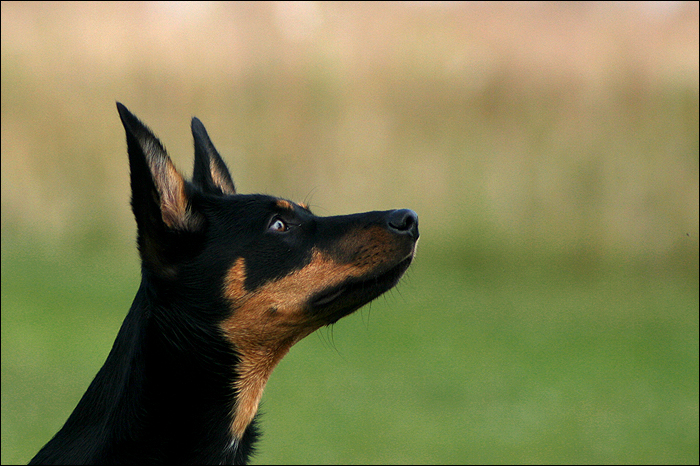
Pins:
x: 210, y: 172
x: 159, y: 197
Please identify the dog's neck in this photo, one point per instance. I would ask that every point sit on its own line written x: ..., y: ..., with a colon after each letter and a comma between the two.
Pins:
x: 253, y: 371
x: 160, y: 401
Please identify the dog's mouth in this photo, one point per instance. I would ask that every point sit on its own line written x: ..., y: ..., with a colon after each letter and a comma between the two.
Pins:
x: 338, y: 301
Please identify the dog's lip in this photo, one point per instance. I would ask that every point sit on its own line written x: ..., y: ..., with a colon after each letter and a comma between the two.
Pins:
x: 386, y: 280
x: 327, y: 298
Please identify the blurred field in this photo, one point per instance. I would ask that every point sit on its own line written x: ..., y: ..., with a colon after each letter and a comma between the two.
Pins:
x: 551, y: 151
x: 462, y: 362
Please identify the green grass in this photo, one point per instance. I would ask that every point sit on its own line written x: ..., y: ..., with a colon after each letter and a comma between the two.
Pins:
x: 466, y: 361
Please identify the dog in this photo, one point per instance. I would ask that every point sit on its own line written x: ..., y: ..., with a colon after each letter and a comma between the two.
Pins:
x: 229, y: 282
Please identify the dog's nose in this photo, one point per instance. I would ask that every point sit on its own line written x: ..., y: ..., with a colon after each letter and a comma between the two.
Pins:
x: 404, y: 221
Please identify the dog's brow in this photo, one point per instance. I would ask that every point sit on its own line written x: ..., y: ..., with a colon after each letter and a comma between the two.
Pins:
x: 284, y: 204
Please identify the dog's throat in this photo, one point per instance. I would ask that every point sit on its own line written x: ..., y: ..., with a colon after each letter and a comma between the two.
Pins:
x: 253, y: 372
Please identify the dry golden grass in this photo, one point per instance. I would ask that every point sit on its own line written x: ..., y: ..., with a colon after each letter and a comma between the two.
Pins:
x: 571, y: 126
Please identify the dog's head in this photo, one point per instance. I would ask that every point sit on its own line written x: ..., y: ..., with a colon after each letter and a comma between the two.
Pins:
x: 255, y: 271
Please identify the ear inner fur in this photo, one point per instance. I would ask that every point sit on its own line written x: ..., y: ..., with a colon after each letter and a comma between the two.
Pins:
x: 210, y: 171
x: 174, y: 205
x: 221, y: 181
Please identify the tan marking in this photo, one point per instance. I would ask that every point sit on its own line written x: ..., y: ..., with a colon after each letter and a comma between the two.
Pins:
x: 174, y: 205
x: 284, y: 204
x: 234, y: 283
x: 267, y: 321
x: 223, y: 182
x: 305, y: 205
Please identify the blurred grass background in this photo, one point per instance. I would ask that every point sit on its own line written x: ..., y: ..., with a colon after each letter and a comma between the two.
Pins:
x: 550, y: 149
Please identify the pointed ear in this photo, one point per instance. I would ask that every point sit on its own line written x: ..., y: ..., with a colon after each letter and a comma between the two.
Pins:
x: 210, y: 172
x: 159, y: 196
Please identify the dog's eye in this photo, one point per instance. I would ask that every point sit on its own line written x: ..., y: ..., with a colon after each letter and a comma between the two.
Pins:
x: 278, y: 225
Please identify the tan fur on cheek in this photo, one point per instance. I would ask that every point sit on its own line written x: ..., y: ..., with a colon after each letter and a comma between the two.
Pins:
x: 266, y: 322
x: 261, y: 335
